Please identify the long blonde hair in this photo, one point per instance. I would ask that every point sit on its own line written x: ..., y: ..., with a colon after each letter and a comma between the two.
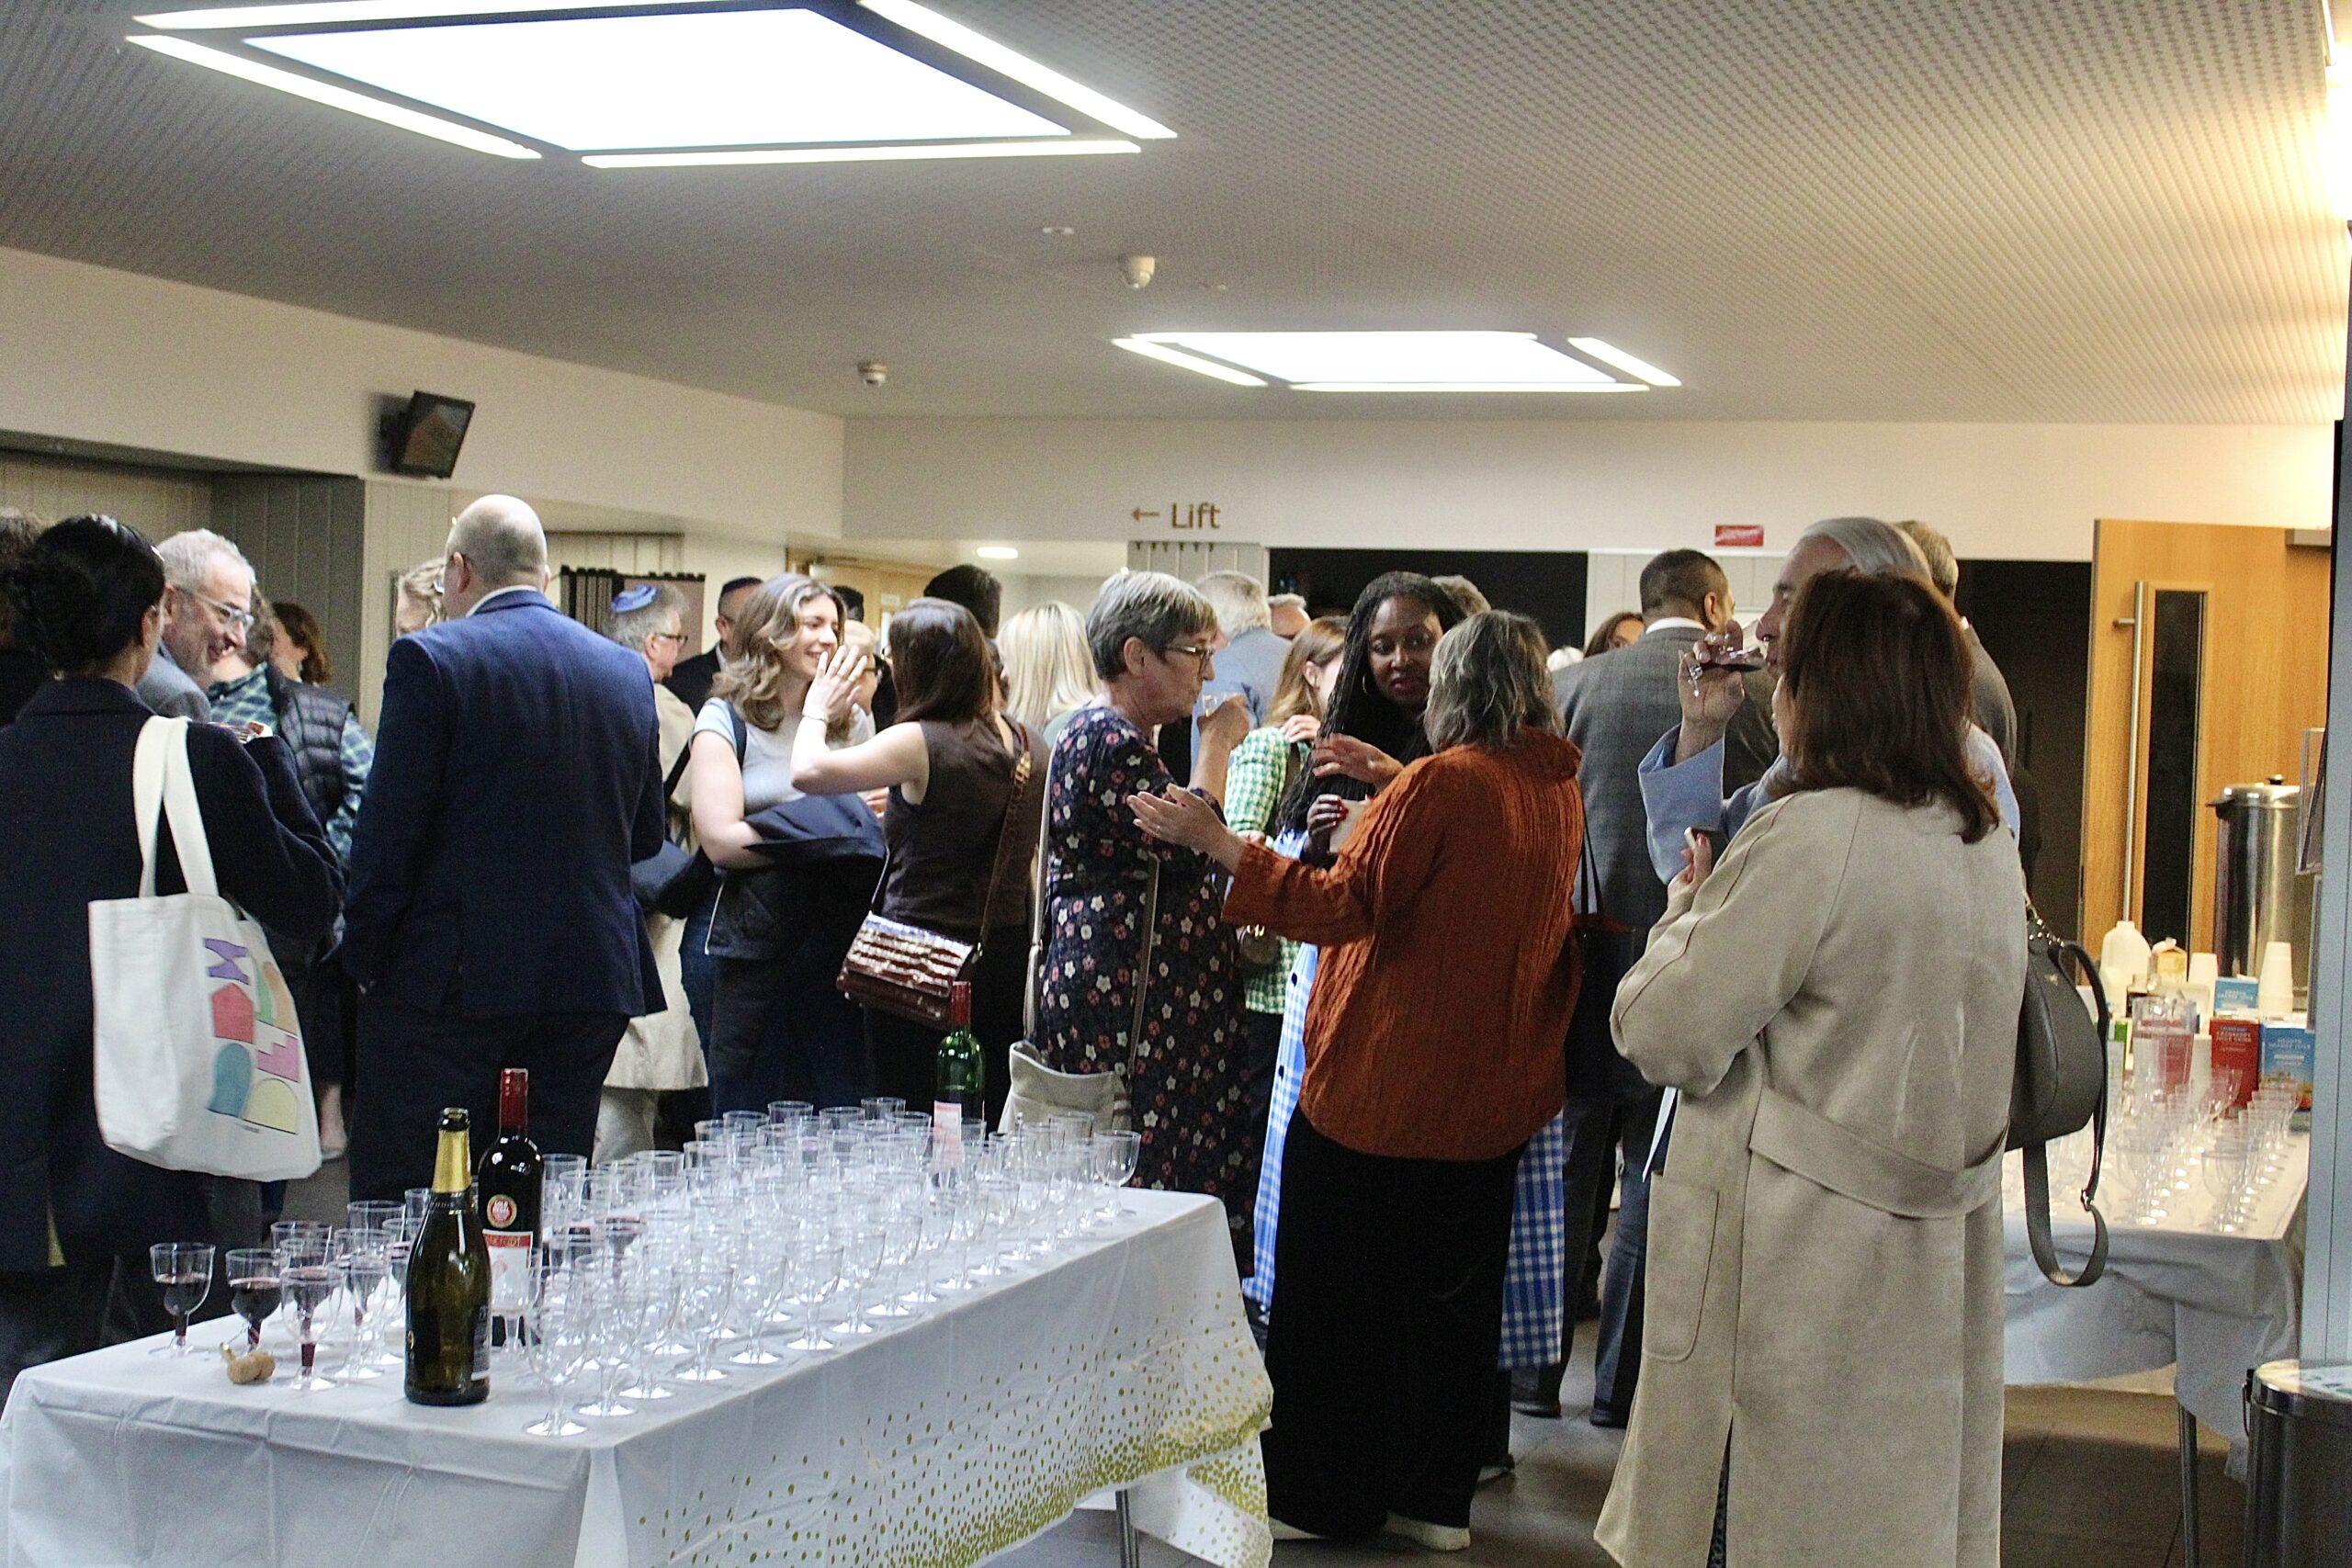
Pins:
x: 1047, y: 670
x: 752, y: 675
x: 1319, y: 642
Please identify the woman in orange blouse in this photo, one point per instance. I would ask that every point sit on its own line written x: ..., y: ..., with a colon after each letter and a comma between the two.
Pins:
x: 1396, y: 1182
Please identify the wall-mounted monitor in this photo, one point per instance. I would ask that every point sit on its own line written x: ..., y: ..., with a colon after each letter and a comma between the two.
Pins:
x: 422, y: 440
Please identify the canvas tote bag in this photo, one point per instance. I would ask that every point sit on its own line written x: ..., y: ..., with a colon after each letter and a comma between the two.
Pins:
x: 199, y: 1063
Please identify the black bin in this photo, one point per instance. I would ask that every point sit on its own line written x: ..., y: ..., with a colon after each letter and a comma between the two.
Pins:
x: 2299, y: 1475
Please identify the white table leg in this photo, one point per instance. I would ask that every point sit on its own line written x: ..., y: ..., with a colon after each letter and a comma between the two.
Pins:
x: 1131, y: 1545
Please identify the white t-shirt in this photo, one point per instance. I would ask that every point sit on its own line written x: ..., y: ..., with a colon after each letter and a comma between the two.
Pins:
x: 767, y: 753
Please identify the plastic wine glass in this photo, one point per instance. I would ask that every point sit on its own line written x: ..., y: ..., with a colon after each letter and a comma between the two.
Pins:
x: 185, y: 1270
x: 367, y: 1263
x: 1115, y: 1156
x: 311, y: 1277
x: 558, y: 1342
x: 255, y: 1288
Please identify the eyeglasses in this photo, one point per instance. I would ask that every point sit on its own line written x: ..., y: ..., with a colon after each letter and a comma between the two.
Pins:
x: 1203, y: 654
x: 231, y: 616
x: 678, y: 638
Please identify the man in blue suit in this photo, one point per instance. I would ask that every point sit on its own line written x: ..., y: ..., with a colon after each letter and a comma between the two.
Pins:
x: 490, y: 922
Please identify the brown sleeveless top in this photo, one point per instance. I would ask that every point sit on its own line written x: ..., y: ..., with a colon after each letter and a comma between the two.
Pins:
x: 943, y: 851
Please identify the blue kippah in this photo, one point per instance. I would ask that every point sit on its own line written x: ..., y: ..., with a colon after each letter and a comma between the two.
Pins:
x: 629, y: 599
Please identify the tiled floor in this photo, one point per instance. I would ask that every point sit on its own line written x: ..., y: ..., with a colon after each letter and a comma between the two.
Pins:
x: 2090, y: 1479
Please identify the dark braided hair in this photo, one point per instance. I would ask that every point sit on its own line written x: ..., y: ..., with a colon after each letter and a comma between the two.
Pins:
x: 78, y: 595
x: 1359, y: 709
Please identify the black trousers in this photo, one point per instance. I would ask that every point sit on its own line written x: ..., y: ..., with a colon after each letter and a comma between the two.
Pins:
x: 906, y: 1053
x: 51, y: 1313
x: 1388, y: 1295
x: 413, y: 1062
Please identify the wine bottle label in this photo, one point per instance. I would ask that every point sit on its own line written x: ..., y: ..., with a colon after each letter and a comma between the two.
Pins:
x: 947, y: 1130
x: 510, y: 1256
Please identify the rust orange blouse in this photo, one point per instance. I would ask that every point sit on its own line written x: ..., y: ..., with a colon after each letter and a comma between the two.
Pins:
x: 1443, y: 995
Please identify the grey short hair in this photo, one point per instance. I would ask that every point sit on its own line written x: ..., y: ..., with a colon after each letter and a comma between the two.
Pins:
x: 664, y: 612
x: 1238, y: 599
x: 1150, y: 605
x: 1286, y: 601
x: 1488, y: 684
x: 188, y: 557
x: 503, y: 537
x: 1943, y: 567
x: 1871, y: 548
x: 1463, y: 592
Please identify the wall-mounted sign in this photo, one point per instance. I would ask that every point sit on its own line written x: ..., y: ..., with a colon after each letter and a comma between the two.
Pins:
x: 1182, y: 517
x: 1739, y: 536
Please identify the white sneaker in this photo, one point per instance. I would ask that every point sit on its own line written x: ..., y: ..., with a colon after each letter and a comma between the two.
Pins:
x: 1437, y: 1537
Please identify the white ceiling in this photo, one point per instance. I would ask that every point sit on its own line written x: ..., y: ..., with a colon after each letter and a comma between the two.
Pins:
x: 2067, y: 210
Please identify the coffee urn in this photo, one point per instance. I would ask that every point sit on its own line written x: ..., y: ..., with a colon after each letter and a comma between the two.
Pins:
x: 2259, y: 896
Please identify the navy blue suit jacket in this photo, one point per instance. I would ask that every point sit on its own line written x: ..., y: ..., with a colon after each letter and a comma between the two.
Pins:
x: 69, y: 839
x: 517, y: 779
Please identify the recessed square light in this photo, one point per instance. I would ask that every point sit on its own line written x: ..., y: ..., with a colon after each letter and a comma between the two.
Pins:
x: 1386, y: 361
x: 674, y: 79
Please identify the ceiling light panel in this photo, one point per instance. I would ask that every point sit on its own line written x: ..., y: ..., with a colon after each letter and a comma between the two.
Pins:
x: 332, y: 96
x: 677, y: 79
x: 927, y: 23
x: 340, y: 13
x: 1068, y: 147
x: 1608, y: 354
x: 1396, y: 360
x: 1151, y: 349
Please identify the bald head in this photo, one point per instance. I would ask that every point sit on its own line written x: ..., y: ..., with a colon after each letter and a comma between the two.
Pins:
x: 495, y: 543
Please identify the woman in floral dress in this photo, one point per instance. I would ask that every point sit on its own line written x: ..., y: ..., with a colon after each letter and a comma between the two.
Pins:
x: 1151, y: 637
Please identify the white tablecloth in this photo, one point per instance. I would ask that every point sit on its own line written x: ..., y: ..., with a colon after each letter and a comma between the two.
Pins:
x: 2172, y: 1295
x: 955, y: 1435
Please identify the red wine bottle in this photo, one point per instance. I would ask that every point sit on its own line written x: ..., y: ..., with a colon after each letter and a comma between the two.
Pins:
x: 960, y: 1090
x: 508, y: 1184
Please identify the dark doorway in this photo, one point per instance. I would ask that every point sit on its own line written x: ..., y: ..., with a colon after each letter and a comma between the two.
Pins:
x: 1546, y: 584
x: 2034, y: 618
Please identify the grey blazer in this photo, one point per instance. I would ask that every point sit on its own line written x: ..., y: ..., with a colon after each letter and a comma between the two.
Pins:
x: 1988, y: 693
x: 167, y: 690
x: 1614, y: 706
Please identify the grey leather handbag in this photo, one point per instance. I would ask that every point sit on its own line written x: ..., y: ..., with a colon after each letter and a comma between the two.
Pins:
x: 2061, y: 1086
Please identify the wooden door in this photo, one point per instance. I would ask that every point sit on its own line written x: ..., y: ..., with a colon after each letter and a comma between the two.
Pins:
x: 2208, y: 661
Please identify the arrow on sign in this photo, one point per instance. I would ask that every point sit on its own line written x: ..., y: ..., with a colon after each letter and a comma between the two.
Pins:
x: 1140, y: 514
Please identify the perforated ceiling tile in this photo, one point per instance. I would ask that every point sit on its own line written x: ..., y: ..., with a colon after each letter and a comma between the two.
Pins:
x: 2007, y: 209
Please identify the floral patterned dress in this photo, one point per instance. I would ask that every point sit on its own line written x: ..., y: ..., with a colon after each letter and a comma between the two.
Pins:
x: 1188, y: 1084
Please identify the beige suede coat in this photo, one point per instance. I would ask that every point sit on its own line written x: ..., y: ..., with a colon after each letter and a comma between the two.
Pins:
x: 1839, y: 1004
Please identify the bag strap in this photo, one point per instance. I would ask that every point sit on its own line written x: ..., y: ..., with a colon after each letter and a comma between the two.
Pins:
x: 1037, y: 907
x: 2037, y: 1224
x: 1143, y: 970
x: 1023, y: 766
x: 163, y: 788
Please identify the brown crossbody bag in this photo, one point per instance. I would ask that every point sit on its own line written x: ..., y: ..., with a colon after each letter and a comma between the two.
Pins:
x: 909, y: 971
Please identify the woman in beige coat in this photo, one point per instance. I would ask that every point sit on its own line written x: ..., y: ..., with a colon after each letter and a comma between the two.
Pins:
x: 1821, y: 1374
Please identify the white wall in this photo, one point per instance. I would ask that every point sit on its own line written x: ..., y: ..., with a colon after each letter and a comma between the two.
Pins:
x: 1022, y: 592
x: 94, y: 355
x: 2003, y: 491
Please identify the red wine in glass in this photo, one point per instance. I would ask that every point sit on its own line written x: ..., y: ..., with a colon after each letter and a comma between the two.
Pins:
x: 312, y: 1284
x: 254, y: 1299
x: 184, y: 1270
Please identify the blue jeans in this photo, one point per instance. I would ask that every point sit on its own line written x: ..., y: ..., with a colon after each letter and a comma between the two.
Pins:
x: 699, y: 971
x: 1598, y: 1127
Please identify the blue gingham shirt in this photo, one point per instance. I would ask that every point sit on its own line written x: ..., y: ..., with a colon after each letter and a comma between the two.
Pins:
x: 246, y: 699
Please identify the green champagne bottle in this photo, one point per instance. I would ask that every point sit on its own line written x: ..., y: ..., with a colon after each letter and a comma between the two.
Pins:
x: 961, y: 1093
x: 448, y: 1284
